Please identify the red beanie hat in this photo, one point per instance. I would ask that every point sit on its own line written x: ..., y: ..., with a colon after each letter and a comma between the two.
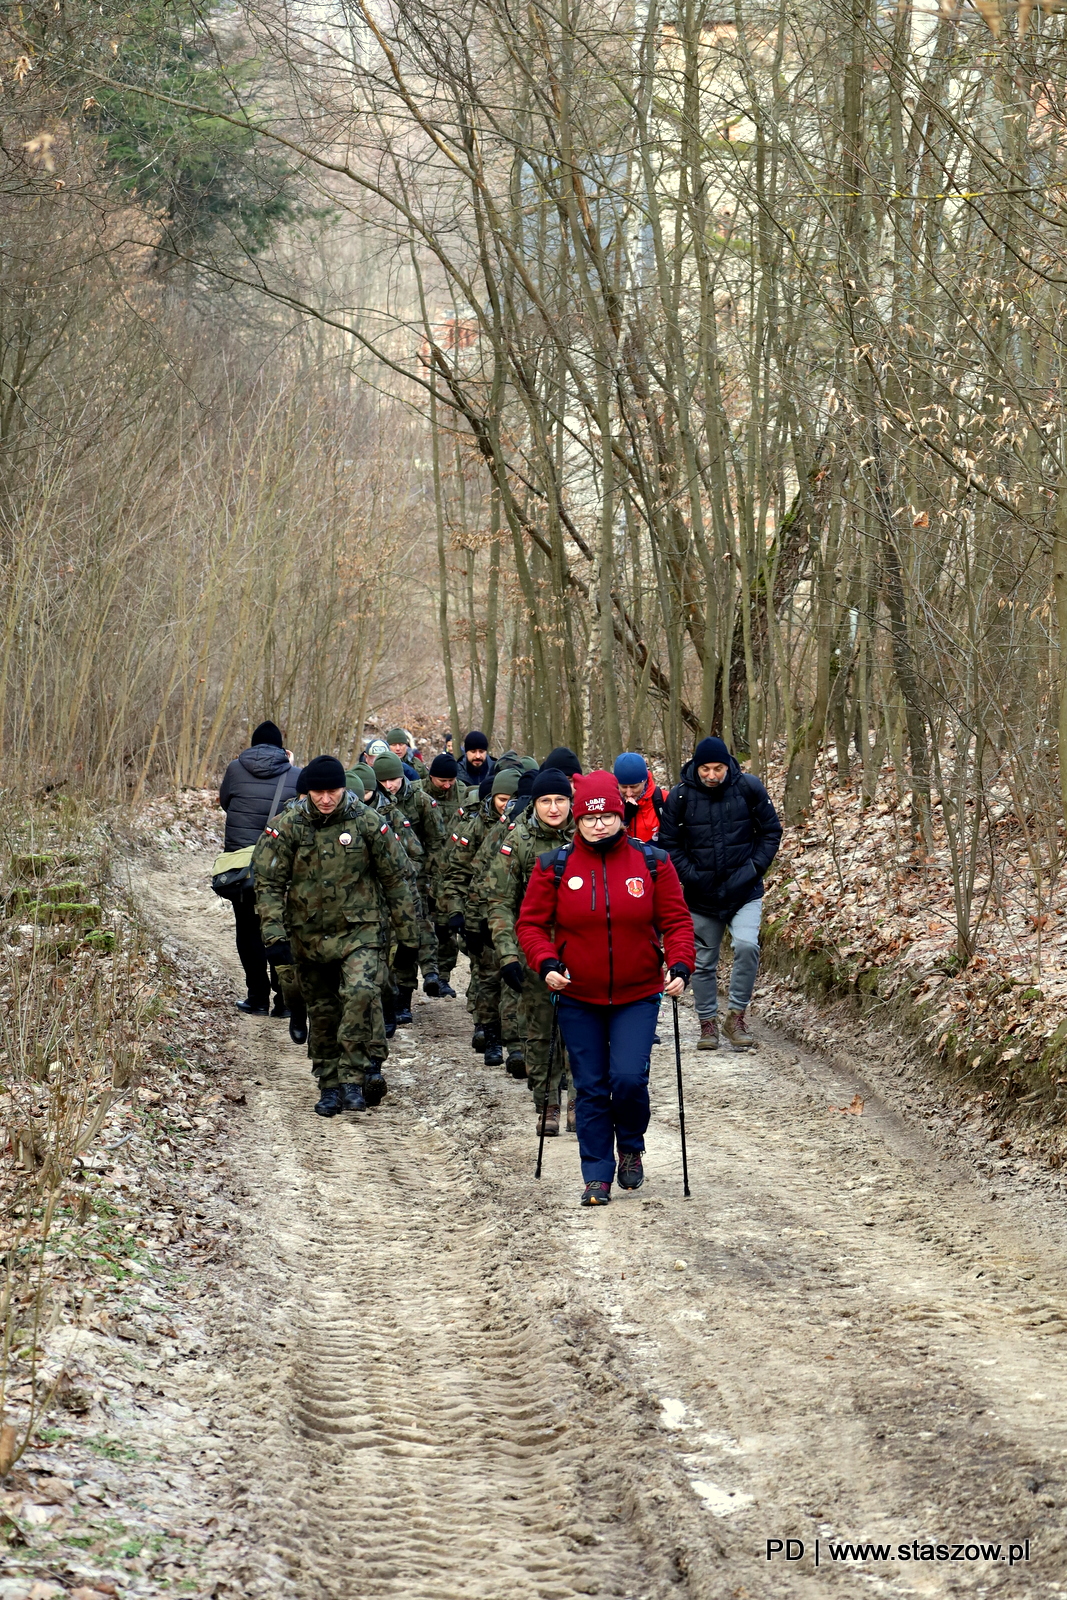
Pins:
x: 596, y: 793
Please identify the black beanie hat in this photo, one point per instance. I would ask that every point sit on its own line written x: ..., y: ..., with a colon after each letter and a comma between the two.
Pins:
x: 563, y: 760
x: 268, y: 733
x: 475, y: 740
x: 325, y: 772
x: 485, y: 788
x: 551, y: 780
x: 443, y: 766
x: 526, y: 783
x: 711, y: 749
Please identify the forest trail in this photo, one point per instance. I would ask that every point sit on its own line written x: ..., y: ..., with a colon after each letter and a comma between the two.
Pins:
x: 456, y: 1383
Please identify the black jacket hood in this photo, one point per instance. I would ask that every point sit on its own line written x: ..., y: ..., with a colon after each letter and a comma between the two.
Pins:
x: 264, y: 761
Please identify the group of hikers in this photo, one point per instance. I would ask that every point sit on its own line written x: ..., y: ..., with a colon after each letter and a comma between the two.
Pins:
x: 579, y: 899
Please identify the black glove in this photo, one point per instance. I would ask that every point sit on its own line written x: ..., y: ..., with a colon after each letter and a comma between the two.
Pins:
x: 630, y: 813
x: 408, y: 953
x: 550, y: 964
x: 280, y: 954
x: 457, y: 922
x: 514, y: 975
x: 680, y: 970
x: 474, y: 939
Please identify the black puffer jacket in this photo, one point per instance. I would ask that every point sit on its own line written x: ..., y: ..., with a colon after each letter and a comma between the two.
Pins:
x: 721, y: 840
x: 248, y: 789
x: 474, y: 777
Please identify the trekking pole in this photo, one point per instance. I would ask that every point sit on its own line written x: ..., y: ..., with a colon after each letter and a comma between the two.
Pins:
x: 548, y: 1084
x: 681, y: 1102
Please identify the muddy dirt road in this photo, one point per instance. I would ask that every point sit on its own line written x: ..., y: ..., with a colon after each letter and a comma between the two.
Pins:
x: 455, y: 1383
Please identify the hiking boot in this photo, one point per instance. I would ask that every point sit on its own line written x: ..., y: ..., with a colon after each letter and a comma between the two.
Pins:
x: 478, y: 1039
x: 251, y: 1010
x: 403, y: 1007
x: 709, y: 1033
x: 375, y: 1087
x: 516, y: 1064
x: 298, y: 1023
x: 736, y: 1031
x: 330, y: 1102
x: 572, y: 1113
x: 352, y: 1097
x: 494, y: 1052
x: 597, y: 1194
x: 631, y: 1173
x: 431, y: 985
x: 447, y: 991
x: 280, y: 1009
x: 551, y: 1116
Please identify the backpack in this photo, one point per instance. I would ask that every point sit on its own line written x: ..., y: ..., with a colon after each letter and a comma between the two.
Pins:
x: 557, y: 859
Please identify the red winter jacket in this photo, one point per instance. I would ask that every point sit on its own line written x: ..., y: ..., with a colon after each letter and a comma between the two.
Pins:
x: 645, y: 824
x: 606, y: 921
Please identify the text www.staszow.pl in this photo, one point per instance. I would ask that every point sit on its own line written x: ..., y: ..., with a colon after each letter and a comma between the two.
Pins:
x: 918, y: 1550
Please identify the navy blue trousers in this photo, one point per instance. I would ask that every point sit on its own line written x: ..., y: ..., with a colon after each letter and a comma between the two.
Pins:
x: 609, y: 1049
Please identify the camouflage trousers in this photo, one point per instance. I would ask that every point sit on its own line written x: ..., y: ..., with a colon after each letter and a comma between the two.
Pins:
x: 289, y: 984
x: 535, y: 1019
x: 496, y: 1005
x: 346, y: 1029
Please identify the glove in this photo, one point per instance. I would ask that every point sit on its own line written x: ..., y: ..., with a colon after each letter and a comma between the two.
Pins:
x: 680, y: 970
x: 474, y: 939
x: 457, y: 922
x: 550, y: 964
x: 280, y: 954
x: 514, y: 975
x: 408, y: 953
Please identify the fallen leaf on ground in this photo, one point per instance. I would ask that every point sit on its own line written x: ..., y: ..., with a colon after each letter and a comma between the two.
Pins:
x: 853, y: 1109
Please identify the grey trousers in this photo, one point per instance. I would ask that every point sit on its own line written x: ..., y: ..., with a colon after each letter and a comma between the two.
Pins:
x: 744, y: 932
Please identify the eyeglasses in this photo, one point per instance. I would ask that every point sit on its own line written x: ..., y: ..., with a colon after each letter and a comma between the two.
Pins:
x: 600, y: 821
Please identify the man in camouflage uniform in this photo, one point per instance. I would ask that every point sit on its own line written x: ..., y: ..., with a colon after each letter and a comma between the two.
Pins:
x: 443, y: 787
x: 473, y: 846
x: 400, y: 743
x: 545, y: 826
x: 319, y: 889
x: 414, y: 806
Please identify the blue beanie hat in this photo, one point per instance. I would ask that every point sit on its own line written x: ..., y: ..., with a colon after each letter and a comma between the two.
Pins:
x: 711, y: 750
x: 630, y: 768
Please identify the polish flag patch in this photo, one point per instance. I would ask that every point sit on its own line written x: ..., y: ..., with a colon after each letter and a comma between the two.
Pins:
x: 636, y: 887
x: 505, y: 849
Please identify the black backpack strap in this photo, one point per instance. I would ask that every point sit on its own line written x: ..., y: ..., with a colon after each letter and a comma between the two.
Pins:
x: 653, y: 856
x: 557, y: 860
x: 657, y: 800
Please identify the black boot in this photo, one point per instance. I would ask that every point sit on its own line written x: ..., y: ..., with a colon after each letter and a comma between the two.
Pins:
x: 375, y: 1087
x: 298, y: 1022
x: 280, y: 1009
x: 403, y: 1007
x: 431, y: 985
x: 352, y: 1097
x: 447, y: 991
x: 516, y: 1064
x: 250, y: 1009
x: 478, y: 1040
x: 329, y: 1104
x: 494, y: 1053
x: 389, y: 1012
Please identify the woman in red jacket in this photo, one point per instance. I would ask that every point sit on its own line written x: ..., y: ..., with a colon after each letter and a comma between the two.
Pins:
x: 592, y: 922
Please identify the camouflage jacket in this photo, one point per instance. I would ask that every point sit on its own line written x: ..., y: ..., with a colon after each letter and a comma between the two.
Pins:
x: 478, y: 891
x: 413, y: 803
x: 385, y: 806
x: 469, y: 828
x: 320, y: 881
x: 447, y: 808
x: 509, y: 872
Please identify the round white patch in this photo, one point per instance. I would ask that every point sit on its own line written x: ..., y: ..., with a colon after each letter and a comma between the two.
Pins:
x: 575, y: 883
x: 344, y: 838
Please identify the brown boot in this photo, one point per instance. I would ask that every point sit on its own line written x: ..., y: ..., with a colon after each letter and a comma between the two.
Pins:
x: 551, y: 1122
x: 572, y: 1125
x: 735, y: 1030
x: 709, y: 1033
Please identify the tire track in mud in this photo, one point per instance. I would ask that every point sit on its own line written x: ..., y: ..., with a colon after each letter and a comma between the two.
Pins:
x: 457, y: 1384
x: 429, y: 1436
